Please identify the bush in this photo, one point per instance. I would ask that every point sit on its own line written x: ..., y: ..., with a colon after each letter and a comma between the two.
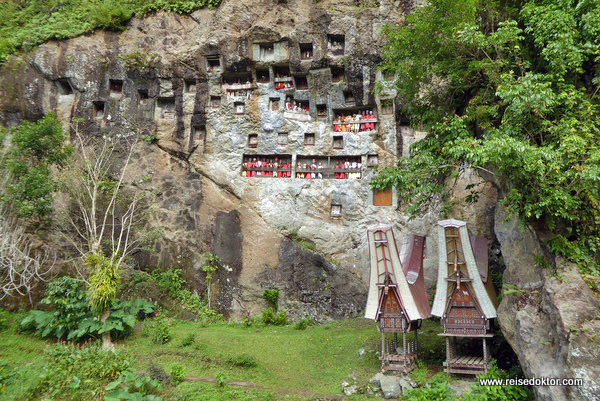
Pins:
x: 495, y: 393
x: 6, y: 376
x: 73, y: 318
x: 242, y: 361
x: 78, y: 372
x: 270, y: 317
x: 221, y: 378
x: 161, y: 334
x: 436, y: 389
x: 188, y: 340
x: 131, y: 386
x: 272, y: 297
x: 177, y: 374
x: 170, y: 281
x: 303, y: 323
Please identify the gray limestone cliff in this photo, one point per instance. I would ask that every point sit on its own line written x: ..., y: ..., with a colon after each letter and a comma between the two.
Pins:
x: 204, y: 86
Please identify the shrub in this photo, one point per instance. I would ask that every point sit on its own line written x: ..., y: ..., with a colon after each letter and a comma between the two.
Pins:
x: 177, y: 374
x: 221, y: 378
x: 131, y: 386
x: 161, y: 333
x: 436, y: 389
x: 188, y: 340
x: 6, y: 376
x: 73, y: 318
x: 270, y: 317
x: 303, y: 323
x: 171, y: 282
x: 272, y: 297
x: 495, y: 393
x: 242, y: 361
x: 78, y: 372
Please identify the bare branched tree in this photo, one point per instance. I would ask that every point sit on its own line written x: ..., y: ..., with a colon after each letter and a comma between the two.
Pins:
x: 96, y: 183
x: 104, y: 216
x: 21, y: 267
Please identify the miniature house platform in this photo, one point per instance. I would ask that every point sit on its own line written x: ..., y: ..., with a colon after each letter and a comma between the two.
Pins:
x: 396, y: 299
x: 465, y: 299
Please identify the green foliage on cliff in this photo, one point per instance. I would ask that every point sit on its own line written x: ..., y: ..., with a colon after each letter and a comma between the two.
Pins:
x: 26, y: 162
x: 511, y: 89
x: 26, y: 24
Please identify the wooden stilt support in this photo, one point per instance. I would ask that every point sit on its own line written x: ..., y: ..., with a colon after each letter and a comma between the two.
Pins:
x: 485, y: 355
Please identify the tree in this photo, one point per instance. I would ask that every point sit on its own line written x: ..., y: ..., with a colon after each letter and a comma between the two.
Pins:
x: 103, y: 217
x: 210, y: 264
x: 28, y: 154
x: 32, y: 151
x: 21, y: 266
x: 509, y: 88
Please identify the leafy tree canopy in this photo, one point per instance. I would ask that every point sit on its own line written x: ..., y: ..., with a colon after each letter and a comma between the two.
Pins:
x: 26, y: 162
x: 509, y: 87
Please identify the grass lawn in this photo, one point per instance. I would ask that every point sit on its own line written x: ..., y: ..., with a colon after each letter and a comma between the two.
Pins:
x: 290, y: 364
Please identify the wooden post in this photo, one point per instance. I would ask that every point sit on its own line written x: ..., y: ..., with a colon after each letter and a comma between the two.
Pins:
x: 416, y: 341
x: 448, y: 356
x: 395, y: 342
x: 485, y: 355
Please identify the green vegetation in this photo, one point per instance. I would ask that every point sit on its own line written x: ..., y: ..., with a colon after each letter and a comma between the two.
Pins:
x: 33, y: 150
x: 26, y: 24
x: 286, y: 364
x: 72, y: 317
x: 171, y: 282
x: 270, y: 317
x: 510, y: 89
x: 271, y: 295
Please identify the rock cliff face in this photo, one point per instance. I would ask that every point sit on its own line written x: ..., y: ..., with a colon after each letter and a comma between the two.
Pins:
x: 203, y: 89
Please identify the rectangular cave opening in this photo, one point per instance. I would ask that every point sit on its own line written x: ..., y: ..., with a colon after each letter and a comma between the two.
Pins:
x: 387, y: 107
x: 322, y: 110
x: 64, y: 86
x: 215, y: 102
x: 274, y: 103
x: 355, y: 119
x: 372, y: 161
x: 143, y: 96
x: 338, y: 142
x: 199, y: 131
x: 349, y: 98
x: 388, y: 75
x: 336, y: 44
x: 253, y: 140
x: 262, y: 75
x: 239, y: 107
x: 338, y: 74
x: 166, y: 107
x: 336, y: 211
x: 213, y: 63
x: 237, y: 78
x: 283, y: 138
x: 98, y: 109
x: 115, y: 87
x: 267, y: 166
x: 346, y: 167
x: 309, y: 139
x: 189, y: 85
x: 282, y: 77
x: 301, y: 82
x: 306, y: 51
x: 312, y: 167
x: 266, y: 51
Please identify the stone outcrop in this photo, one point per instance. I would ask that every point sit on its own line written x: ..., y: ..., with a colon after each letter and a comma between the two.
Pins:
x: 549, y: 316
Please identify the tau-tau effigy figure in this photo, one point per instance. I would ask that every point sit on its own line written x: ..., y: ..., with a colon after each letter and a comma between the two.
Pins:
x: 397, y: 298
x: 465, y: 299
